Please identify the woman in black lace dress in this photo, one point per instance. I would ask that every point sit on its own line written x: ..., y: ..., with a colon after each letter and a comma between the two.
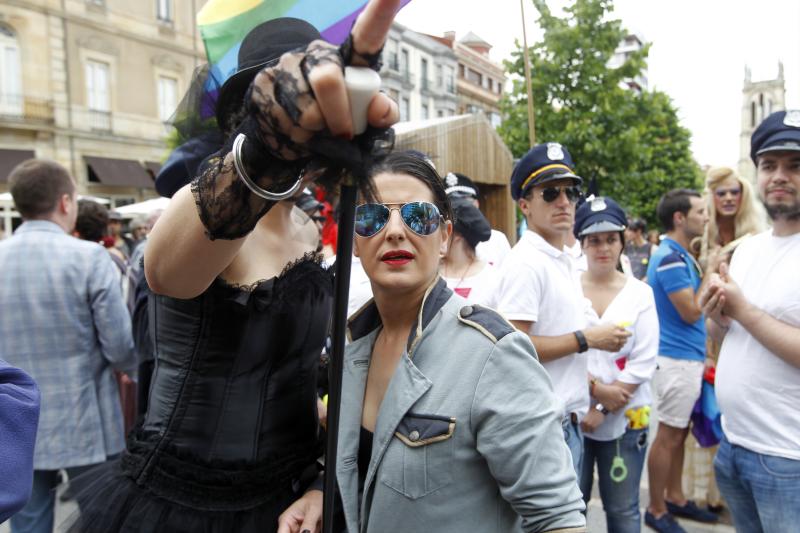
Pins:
x: 239, y: 313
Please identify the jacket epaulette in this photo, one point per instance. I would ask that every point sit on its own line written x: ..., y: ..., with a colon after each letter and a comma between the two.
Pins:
x: 487, y: 321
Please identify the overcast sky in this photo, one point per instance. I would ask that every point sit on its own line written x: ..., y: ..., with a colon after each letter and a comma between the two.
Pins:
x: 698, y: 54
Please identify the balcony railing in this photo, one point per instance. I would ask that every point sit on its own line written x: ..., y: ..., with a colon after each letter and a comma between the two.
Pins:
x: 99, y: 120
x: 18, y: 107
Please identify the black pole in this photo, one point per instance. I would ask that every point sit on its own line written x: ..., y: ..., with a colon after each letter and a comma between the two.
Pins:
x: 344, y: 255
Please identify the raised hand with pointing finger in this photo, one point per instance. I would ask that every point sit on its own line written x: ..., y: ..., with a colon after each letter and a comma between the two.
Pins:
x: 295, y: 121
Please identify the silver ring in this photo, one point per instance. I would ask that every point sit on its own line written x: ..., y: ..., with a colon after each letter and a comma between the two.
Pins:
x: 258, y: 191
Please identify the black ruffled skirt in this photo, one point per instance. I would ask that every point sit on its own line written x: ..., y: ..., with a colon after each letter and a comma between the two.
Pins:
x: 148, y: 491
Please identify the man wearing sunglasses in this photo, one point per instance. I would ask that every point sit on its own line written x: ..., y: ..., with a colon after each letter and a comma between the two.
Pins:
x: 538, y: 289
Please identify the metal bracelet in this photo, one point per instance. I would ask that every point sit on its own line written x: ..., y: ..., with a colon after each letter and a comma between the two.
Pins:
x: 258, y: 191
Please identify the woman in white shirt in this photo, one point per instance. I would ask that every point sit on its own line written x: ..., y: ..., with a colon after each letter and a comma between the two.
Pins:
x: 465, y: 273
x: 615, y: 429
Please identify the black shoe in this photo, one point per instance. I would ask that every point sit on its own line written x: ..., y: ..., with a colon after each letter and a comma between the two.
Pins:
x: 691, y: 511
x: 665, y: 524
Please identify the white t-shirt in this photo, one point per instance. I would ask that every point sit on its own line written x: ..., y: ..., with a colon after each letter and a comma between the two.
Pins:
x: 495, y: 249
x: 538, y: 283
x: 474, y: 288
x: 635, y: 363
x: 759, y: 393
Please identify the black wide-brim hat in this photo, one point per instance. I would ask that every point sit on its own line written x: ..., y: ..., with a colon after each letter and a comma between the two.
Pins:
x: 265, y: 44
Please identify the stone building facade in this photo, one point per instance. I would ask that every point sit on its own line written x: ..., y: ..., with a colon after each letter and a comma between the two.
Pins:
x: 91, y: 83
x: 419, y: 74
x: 480, y: 80
x: 759, y: 100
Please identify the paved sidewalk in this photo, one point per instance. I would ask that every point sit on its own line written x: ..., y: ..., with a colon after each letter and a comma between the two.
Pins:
x: 596, y: 518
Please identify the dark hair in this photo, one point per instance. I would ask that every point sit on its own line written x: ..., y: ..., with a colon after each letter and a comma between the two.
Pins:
x: 37, y: 185
x: 637, y: 224
x: 92, y: 220
x: 407, y: 162
x: 675, y: 201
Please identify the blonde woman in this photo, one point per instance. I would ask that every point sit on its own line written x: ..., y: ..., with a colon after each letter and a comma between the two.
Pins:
x: 733, y: 214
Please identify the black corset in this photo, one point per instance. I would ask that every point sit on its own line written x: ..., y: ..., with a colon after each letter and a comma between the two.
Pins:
x: 232, y: 405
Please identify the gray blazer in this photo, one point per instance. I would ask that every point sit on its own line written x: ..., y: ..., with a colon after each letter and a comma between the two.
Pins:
x: 468, y: 437
x: 64, y: 322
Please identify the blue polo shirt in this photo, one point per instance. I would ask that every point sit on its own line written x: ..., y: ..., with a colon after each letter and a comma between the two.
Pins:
x: 671, y: 269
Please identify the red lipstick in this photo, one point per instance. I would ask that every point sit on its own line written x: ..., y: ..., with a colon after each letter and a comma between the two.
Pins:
x: 397, y: 257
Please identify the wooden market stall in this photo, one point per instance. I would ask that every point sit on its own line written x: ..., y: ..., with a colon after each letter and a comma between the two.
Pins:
x: 468, y: 144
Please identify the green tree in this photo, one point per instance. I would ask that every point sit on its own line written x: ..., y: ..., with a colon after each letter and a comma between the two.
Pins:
x: 630, y: 141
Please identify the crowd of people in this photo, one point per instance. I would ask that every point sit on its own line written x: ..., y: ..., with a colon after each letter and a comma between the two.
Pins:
x: 485, y: 387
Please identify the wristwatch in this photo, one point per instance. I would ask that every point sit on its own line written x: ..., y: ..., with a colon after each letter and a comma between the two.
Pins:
x: 602, y: 408
x: 582, y: 344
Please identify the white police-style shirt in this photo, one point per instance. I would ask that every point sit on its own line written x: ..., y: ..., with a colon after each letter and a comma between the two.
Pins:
x: 539, y: 283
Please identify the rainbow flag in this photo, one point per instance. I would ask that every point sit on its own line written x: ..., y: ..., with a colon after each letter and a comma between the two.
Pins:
x: 225, y: 23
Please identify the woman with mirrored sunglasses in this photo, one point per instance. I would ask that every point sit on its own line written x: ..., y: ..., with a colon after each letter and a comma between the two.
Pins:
x: 448, y: 421
x: 616, y: 425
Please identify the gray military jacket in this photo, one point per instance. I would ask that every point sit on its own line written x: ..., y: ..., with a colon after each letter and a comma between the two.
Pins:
x: 468, y: 437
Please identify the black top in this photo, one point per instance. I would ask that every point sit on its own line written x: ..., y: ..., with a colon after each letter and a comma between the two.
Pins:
x: 232, y: 404
x: 364, y: 455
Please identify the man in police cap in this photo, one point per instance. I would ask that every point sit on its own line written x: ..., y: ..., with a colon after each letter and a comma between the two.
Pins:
x: 460, y: 187
x: 753, y: 309
x: 538, y: 289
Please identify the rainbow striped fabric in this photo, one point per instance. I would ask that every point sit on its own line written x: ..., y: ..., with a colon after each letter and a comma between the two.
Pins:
x: 224, y: 24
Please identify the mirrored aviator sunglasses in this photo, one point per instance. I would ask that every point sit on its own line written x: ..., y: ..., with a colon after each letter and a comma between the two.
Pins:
x: 550, y: 194
x: 423, y: 218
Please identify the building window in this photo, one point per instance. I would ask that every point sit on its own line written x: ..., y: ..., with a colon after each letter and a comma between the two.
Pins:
x: 10, y: 73
x: 405, y: 110
x: 167, y: 97
x: 393, y: 59
x: 439, y: 76
x: 449, y: 80
x: 474, y: 77
x: 440, y: 113
x: 425, y: 112
x: 461, y: 71
x: 97, y: 86
x: 494, y: 119
x: 164, y: 10
x: 423, y: 74
x: 404, y: 62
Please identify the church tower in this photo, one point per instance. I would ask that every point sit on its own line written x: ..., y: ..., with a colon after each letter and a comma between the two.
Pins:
x: 759, y: 99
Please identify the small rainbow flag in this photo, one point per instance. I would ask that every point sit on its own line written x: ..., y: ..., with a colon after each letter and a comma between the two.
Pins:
x: 225, y: 23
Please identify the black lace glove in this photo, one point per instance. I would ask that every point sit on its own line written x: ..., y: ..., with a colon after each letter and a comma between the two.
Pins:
x: 285, y: 133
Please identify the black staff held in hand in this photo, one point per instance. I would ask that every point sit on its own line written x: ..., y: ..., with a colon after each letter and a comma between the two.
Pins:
x: 304, y: 113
